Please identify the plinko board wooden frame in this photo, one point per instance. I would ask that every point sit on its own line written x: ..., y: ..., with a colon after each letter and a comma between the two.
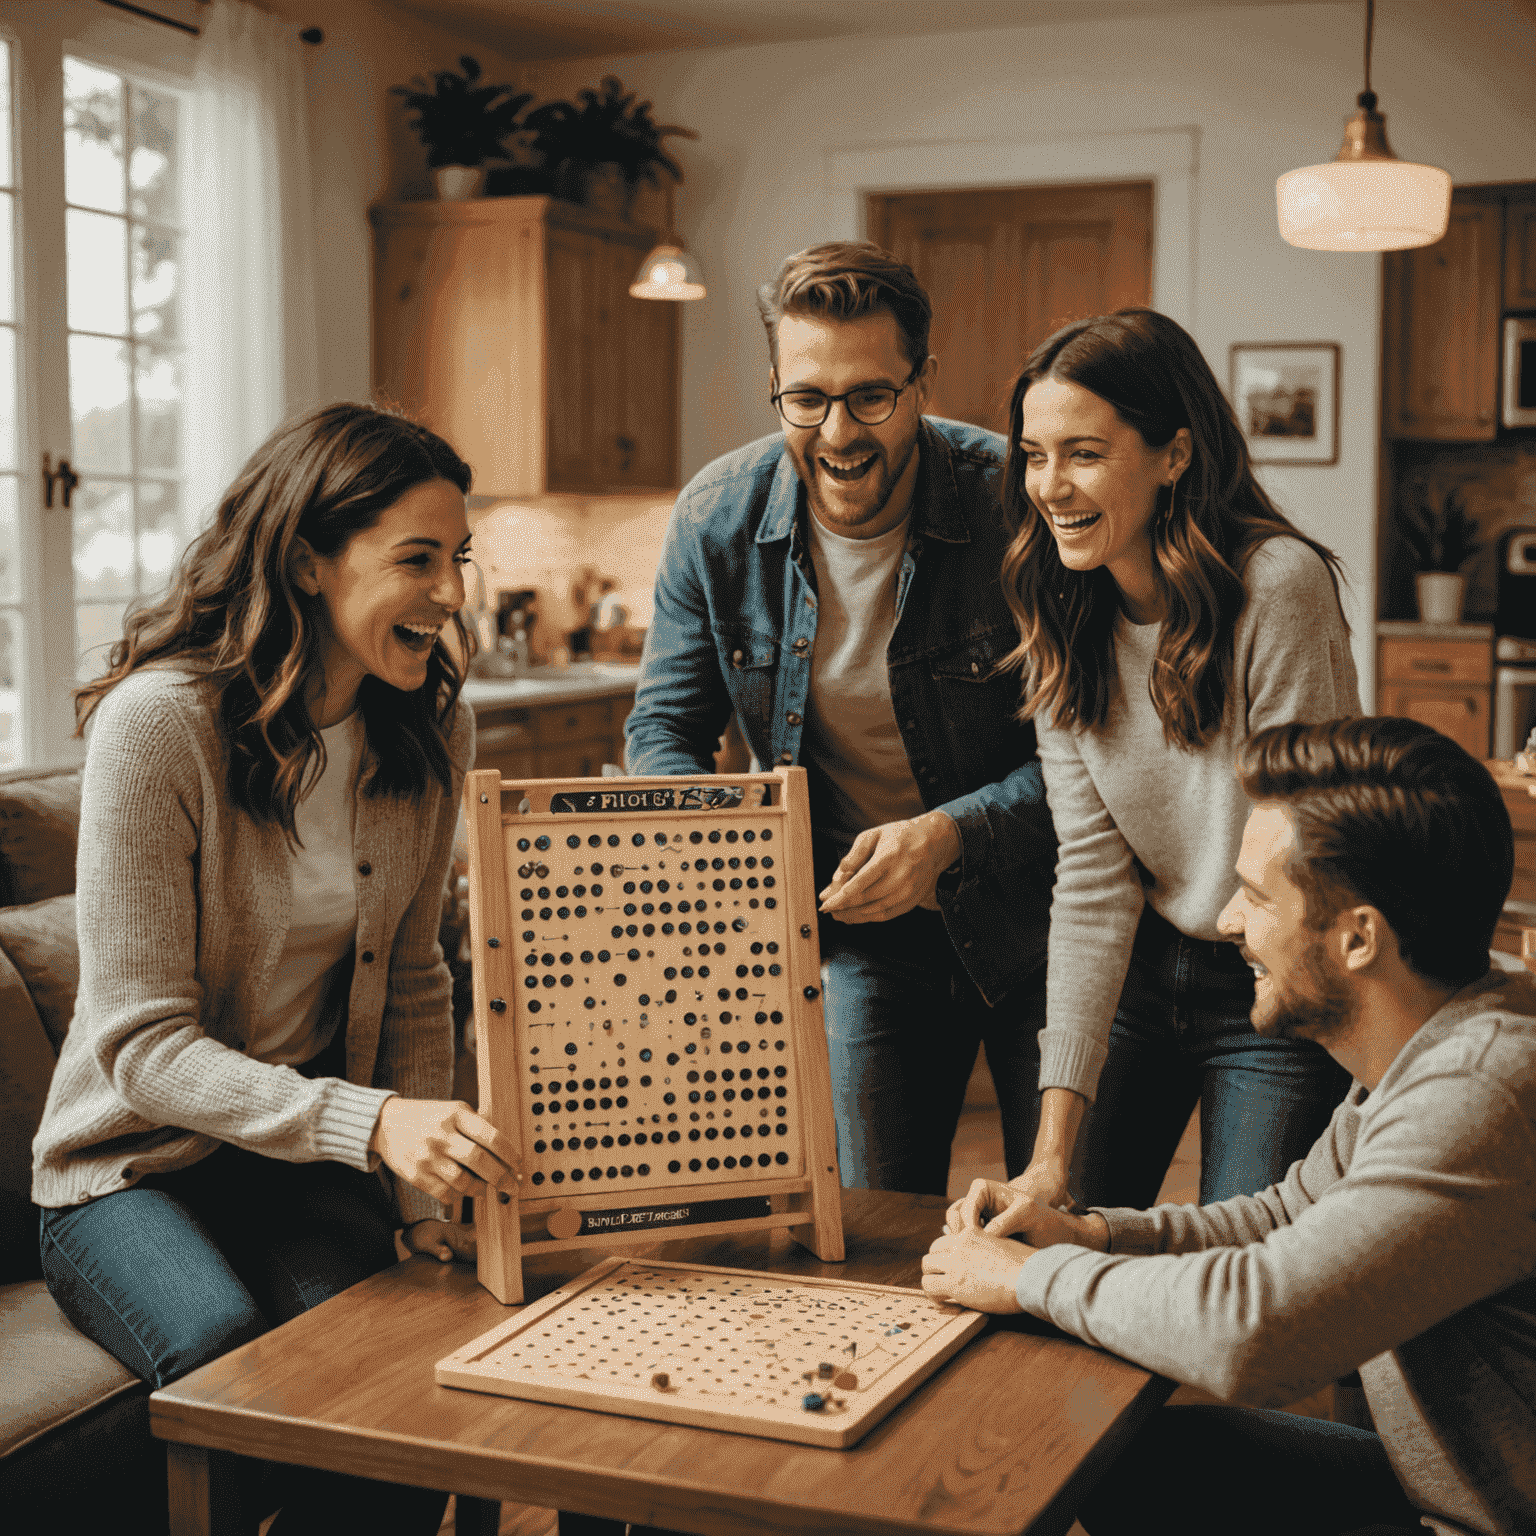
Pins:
x: 648, y: 1021
x: 789, y: 1357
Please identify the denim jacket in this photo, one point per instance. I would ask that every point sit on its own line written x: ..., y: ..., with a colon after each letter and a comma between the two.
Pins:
x: 735, y: 627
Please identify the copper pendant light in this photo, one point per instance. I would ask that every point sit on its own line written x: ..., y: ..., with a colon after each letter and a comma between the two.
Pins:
x: 1365, y: 198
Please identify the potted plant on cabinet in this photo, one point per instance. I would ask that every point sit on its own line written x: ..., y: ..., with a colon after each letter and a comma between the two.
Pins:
x: 462, y: 124
x: 602, y: 146
x: 1441, y: 543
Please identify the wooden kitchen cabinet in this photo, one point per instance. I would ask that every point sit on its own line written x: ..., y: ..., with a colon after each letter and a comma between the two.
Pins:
x: 1520, y: 909
x: 1443, y: 683
x: 552, y: 741
x: 1441, y: 313
x: 505, y: 324
x: 1520, y: 253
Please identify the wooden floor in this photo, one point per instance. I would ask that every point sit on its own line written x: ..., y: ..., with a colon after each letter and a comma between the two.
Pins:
x: 977, y: 1153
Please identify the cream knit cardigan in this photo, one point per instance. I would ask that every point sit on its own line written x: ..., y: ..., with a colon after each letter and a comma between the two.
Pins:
x: 183, y: 907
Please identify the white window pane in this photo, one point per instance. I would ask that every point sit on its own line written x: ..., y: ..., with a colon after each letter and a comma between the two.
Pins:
x: 7, y: 174
x: 12, y: 663
x: 158, y: 383
x: 103, y: 539
x: 97, y: 251
x: 93, y: 136
x: 152, y: 164
x: 7, y: 256
x: 98, y: 627
x: 156, y: 283
x: 10, y: 542
x: 160, y: 534
x: 98, y: 402
x: 7, y: 398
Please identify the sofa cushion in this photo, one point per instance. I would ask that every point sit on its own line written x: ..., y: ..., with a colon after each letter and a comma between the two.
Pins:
x: 49, y: 1373
x: 39, y: 823
x: 41, y: 943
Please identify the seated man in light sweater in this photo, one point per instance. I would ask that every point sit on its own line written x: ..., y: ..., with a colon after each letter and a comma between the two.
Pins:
x: 1372, y: 871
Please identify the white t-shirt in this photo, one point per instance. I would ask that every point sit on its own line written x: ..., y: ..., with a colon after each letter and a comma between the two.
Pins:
x: 851, y: 734
x: 323, y: 921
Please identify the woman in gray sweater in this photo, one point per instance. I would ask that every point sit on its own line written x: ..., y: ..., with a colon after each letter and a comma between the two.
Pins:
x: 254, y: 1091
x: 1167, y: 610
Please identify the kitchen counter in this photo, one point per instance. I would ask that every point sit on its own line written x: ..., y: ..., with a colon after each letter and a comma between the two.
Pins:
x: 553, y: 685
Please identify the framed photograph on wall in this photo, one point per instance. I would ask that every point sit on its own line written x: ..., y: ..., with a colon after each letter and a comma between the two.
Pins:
x: 1286, y: 395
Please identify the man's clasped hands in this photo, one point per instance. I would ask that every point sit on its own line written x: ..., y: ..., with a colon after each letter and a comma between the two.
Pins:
x: 988, y: 1234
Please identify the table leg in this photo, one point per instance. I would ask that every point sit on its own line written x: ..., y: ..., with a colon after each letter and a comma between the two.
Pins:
x: 475, y: 1517
x: 206, y: 1493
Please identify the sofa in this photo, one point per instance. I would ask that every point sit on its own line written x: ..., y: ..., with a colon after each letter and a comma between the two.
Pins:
x: 75, y: 1448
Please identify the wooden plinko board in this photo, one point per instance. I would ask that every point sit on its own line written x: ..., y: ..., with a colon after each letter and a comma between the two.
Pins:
x: 812, y: 1360
x: 648, y: 1011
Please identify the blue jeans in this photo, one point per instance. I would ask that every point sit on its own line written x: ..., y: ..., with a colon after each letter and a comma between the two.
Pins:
x: 1182, y: 1033
x: 186, y: 1266
x: 904, y: 1021
x: 1210, y: 1471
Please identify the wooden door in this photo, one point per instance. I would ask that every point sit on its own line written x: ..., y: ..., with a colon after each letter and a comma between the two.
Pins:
x: 1005, y: 267
x: 1520, y: 252
x: 1442, y: 331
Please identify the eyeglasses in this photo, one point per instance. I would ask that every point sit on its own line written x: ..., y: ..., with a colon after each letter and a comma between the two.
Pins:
x: 869, y: 404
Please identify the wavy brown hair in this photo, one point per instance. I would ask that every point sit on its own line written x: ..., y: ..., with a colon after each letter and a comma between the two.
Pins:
x: 235, y: 616
x: 1150, y: 370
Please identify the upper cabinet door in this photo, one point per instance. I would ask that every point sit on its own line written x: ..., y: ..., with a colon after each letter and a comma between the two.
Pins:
x: 506, y: 324
x: 1520, y: 253
x: 1442, y: 325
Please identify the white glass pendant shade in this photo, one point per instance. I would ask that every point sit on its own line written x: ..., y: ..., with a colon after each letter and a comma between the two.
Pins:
x: 669, y: 272
x: 1363, y: 205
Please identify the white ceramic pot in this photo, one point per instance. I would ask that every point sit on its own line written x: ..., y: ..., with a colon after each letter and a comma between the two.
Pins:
x: 1440, y: 596
x: 459, y: 183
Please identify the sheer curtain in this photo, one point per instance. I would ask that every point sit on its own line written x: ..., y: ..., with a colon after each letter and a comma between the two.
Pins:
x: 251, y: 320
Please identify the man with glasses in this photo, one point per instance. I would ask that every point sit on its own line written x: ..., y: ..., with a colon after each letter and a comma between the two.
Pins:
x: 837, y: 588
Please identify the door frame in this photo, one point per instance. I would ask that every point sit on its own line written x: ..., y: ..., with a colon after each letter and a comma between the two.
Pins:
x: 1168, y: 158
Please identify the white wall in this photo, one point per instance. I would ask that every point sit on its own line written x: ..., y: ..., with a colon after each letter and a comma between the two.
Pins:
x: 363, y: 150
x: 1263, y: 89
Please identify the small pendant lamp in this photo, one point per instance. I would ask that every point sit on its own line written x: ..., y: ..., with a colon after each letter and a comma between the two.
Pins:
x: 1365, y: 199
x: 669, y: 272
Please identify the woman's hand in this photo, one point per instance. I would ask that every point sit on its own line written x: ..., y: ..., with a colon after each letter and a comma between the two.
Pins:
x: 892, y: 868
x: 1002, y: 1210
x: 444, y: 1148
x: 973, y: 1270
x: 441, y: 1239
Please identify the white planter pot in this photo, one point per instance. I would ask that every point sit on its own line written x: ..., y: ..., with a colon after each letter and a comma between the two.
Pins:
x: 459, y: 183
x: 1440, y: 596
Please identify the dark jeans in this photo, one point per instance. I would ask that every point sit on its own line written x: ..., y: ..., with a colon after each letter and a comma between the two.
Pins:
x: 1211, y: 1471
x: 904, y: 1022
x: 186, y: 1266
x: 1182, y: 1033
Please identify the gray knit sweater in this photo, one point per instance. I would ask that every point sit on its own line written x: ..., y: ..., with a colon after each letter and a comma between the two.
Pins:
x: 1403, y: 1245
x: 183, y: 905
x: 1127, y: 806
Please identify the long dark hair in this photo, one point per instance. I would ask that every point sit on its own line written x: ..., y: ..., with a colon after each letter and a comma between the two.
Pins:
x: 234, y: 615
x: 1203, y: 532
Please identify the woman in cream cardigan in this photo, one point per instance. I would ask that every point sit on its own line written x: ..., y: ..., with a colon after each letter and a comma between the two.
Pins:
x: 254, y: 1092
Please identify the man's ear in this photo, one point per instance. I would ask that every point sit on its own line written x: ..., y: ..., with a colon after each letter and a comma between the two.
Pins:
x: 1359, y: 937
x: 303, y: 567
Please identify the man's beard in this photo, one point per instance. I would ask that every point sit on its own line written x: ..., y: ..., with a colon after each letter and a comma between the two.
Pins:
x: 882, y: 472
x: 1312, y: 1003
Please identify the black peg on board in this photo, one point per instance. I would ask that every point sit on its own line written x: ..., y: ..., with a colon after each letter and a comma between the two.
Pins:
x: 498, y: 1005
x: 805, y: 930
x: 810, y: 992
x: 493, y: 943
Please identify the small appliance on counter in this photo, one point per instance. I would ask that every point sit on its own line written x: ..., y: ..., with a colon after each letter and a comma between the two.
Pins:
x: 1514, y: 623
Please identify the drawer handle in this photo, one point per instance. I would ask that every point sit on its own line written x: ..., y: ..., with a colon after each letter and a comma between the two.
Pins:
x: 498, y: 736
x: 1420, y: 665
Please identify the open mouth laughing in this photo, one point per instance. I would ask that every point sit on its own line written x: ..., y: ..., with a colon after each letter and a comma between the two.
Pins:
x: 847, y: 474
x: 1074, y: 522
x: 418, y: 638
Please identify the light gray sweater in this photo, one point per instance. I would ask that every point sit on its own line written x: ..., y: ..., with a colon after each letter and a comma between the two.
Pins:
x: 1120, y: 797
x: 1403, y: 1245
x: 182, y: 908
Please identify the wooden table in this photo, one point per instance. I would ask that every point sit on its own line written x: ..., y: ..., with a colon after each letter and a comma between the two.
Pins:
x: 1006, y: 1438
